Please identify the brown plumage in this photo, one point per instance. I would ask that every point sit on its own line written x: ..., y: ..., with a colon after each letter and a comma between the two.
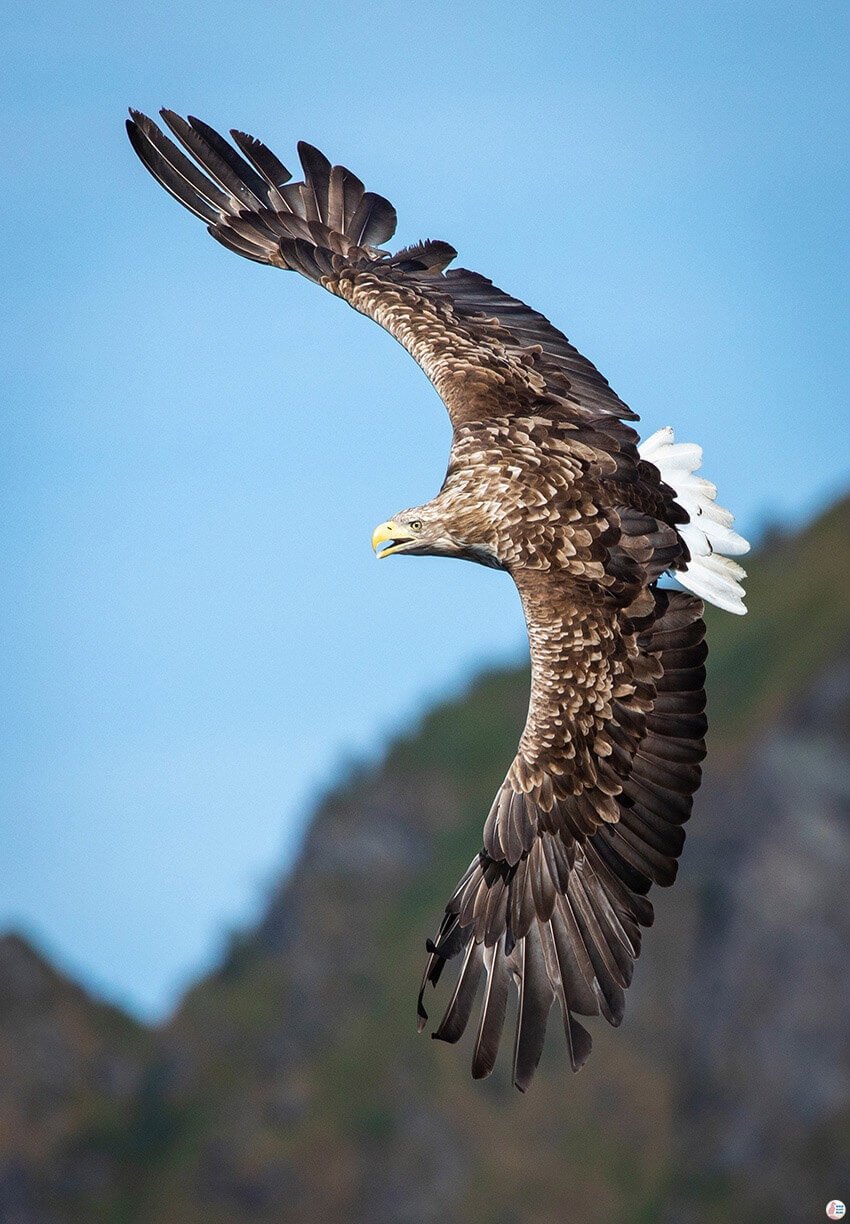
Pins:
x: 545, y: 481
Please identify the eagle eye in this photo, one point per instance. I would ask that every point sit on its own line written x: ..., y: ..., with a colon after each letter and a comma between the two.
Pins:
x: 415, y: 525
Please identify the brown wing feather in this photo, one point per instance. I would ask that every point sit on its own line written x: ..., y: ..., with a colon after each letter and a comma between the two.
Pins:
x: 579, y: 832
x: 485, y: 351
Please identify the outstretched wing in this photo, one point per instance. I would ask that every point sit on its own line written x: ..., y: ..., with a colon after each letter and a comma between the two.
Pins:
x: 590, y: 813
x: 483, y: 350
x: 589, y: 816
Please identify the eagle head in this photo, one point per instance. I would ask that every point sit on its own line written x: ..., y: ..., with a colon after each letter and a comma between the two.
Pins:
x: 430, y: 531
x: 416, y: 532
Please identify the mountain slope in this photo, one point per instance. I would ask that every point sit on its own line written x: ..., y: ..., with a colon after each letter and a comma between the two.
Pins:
x: 291, y: 1084
x: 73, y: 1072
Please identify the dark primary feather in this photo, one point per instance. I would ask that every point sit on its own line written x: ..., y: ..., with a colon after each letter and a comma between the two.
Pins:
x: 242, y: 172
x: 219, y: 167
x: 535, y: 1000
x: 493, y: 1012
x: 272, y: 170
x: 174, y: 170
x: 317, y: 178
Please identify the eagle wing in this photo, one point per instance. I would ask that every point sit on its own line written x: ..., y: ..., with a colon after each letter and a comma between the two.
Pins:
x: 590, y: 813
x: 483, y: 350
x: 490, y: 357
x: 588, y: 818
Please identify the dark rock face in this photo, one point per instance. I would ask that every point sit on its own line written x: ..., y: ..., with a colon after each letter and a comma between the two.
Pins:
x: 766, y: 1054
x: 69, y: 1069
x: 291, y: 1085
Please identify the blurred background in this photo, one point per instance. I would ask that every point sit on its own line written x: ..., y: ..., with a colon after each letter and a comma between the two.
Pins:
x: 232, y: 807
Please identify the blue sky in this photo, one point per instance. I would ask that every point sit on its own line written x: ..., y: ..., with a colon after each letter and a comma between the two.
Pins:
x: 196, y: 633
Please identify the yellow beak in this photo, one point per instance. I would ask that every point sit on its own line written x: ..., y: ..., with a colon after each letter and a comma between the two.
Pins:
x: 389, y: 531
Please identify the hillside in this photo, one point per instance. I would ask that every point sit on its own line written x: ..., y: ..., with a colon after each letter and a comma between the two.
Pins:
x: 291, y: 1085
x: 71, y: 1071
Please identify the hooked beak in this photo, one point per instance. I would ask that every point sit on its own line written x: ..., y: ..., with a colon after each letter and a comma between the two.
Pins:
x: 392, y: 535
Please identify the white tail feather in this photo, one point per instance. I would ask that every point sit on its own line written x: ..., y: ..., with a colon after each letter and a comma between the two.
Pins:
x: 708, y: 535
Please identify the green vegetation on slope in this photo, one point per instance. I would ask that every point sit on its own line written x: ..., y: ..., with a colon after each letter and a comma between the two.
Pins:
x: 798, y: 596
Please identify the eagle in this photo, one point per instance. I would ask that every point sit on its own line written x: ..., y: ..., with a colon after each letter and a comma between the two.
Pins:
x: 546, y: 480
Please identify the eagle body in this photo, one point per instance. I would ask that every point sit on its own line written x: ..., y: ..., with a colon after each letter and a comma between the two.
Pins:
x: 548, y: 482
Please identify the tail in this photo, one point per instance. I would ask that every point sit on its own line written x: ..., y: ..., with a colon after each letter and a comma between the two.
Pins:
x: 709, y: 536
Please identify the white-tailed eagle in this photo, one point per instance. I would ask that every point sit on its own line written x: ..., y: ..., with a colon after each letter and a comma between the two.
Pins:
x: 548, y: 481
